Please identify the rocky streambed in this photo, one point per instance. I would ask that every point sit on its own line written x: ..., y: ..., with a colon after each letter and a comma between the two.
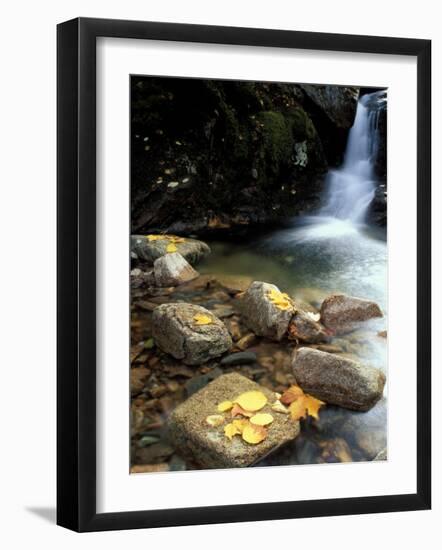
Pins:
x: 191, y: 331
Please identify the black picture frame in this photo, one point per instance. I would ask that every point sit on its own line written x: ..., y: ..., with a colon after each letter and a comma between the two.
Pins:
x: 76, y: 273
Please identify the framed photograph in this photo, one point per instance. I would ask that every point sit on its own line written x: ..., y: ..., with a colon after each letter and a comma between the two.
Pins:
x: 243, y: 274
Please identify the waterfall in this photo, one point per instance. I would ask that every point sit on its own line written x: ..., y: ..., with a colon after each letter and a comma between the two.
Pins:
x: 351, y: 188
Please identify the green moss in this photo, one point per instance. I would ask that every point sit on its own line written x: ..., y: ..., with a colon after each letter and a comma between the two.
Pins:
x: 303, y: 127
x: 277, y: 139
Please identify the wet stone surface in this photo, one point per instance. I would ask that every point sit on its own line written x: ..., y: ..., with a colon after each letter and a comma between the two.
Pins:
x: 338, y: 380
x: 207, y: 445
x: 341, y: 313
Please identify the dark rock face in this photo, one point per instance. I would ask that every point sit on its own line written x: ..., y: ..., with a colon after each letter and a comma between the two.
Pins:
x: 332, y: 109
x: 337, y: 102
x: 194, y: 141
x: 337, y: 380
x: 341, y: 313
x: 176, y: 331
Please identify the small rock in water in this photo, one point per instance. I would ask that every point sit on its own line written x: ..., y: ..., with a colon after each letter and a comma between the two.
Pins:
x: 177, y: 329
x: 222, y: 311
x: 173, y: 270
x: 304, y: 327
x: 338, y: 380
x: 240, y: 358
x: 342, y: 313
x: 139, y: 278
x: 148, y: 251
x: 198, y: 382
x: 262, y: 315
x: 235, y: 283
x: 208, y: 446
x: 247, y: 341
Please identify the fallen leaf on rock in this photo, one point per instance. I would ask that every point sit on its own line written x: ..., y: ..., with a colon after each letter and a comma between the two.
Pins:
x: 225, y: 406
x: 280, y: 299
x: 215, y: 420
x: 171, y: 247
x: 254, y: 434
x: 279, y: 407
x: 261, y: 419
x: 155, y: 237
x: 291, y: 395
x: 230, y: 430
x: 238, y: 410
x: 201, y: 319
x: 240, y: 423
x: 251, y: 400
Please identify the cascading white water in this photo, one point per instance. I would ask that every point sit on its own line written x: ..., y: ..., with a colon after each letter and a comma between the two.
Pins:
x: 351, y: 188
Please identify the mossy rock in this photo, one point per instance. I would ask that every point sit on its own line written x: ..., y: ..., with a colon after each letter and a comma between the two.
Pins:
x: 278, y: 140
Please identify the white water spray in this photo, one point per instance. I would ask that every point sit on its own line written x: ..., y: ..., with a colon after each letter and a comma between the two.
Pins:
x: 351, y: 188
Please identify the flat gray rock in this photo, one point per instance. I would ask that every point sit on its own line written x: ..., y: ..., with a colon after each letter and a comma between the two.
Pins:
x: 341, y: 313
x: 148, y: 251
x: 207, y: 446
x: 173, y: 270
x: 337, y: 380
x: 261, y: 315
x: 176, y: 331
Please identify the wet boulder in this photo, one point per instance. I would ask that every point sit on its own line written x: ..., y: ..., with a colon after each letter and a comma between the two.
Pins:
x: 207, y: 445
x: 173, y: 270
x: 147, y: 248
x: 261, y: 312
x: 341, y: 313
x: 189, y: 332
x: 305, y: 327
x: 338, y: 380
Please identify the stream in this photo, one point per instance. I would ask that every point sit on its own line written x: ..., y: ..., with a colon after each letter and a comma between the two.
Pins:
x: 333, y: 250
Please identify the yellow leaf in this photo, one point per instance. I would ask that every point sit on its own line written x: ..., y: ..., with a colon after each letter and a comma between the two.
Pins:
x: 291, y: 395
x: 225, y: 406
x: 240, y: 424
x: 236, y: 410
x: 230, y: 430
x: 254, y: 434
x: 171, y: 247
x: 201, y: 319
x: 174, y: 239
x: 262, y: 419
x: 215, y: 420
x: 313, y: 405
x: 279, y: 407
x: 155, y: 237
x: 298, y: 409
x: 280, y: 299
x: 251, y: 400
x: 305, y: 405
